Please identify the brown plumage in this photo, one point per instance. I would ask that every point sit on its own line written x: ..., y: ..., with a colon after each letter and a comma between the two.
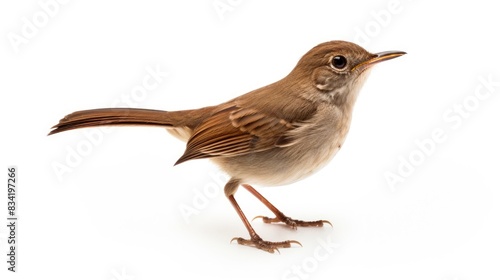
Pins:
x: 274, y: 135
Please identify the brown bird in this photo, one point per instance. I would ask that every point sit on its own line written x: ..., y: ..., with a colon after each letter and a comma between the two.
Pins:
x: 274, y: 135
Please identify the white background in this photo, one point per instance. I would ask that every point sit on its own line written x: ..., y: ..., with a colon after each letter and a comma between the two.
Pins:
x: 116, y: 213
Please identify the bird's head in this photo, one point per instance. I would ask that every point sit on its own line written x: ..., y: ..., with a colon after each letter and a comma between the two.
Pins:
x: 337, y: 70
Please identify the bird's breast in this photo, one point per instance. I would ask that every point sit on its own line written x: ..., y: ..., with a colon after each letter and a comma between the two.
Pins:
x: 317, y: 142
x: 320, y: 143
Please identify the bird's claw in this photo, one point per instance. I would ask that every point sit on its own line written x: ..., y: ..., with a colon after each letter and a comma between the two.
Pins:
x: 267, y: 246
x: 292, y: 223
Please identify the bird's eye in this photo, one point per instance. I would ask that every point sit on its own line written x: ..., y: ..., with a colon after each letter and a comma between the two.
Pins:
x: 339, y: 62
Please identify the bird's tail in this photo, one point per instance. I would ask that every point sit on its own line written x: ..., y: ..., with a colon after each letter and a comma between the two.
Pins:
x: 128, y: 116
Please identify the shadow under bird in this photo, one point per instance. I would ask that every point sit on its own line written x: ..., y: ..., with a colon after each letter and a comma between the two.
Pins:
x: 274, y: 135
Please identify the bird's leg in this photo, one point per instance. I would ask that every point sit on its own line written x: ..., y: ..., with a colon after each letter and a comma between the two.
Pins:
x: 255, y: 240
x: 280, y: 217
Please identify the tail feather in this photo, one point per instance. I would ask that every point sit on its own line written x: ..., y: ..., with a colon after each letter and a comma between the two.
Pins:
x: 126, y: 116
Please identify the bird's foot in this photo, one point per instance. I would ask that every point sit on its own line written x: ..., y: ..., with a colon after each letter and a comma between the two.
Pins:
x: 268, y: 246
x: 292, y: 223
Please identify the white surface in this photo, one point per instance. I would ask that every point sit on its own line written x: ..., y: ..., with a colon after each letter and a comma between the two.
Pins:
x: 116, y: 215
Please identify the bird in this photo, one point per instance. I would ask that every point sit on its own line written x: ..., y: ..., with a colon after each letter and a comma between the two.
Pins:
x: 272, y: 136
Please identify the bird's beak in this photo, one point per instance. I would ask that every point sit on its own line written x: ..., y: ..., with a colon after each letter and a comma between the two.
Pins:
x: 378, y: 57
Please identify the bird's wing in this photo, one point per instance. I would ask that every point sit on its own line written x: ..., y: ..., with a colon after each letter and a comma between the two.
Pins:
x: 238, y: 130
